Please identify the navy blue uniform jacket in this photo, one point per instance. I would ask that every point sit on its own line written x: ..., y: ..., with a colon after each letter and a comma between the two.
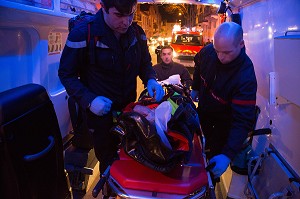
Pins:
x: 227, y: 98
x: 117, y: 64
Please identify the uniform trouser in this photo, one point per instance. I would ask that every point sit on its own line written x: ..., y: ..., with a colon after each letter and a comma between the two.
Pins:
x: 216, y: 134
x: 105, y: 142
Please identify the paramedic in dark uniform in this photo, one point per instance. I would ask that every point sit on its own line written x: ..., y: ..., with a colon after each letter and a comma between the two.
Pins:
x: 225, y: 84
x: 168, y: 67
x: 158, y: 52
x: 108, y: 84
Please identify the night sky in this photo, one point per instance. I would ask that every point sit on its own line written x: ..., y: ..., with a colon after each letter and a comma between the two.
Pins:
x: 163, y: 13
x: 167, y: 16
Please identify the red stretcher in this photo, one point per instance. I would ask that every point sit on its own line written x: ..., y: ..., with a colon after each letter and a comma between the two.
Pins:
x: 130, y: 179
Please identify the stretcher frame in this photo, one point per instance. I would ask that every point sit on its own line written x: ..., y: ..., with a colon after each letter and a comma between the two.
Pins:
x: 205, y: 190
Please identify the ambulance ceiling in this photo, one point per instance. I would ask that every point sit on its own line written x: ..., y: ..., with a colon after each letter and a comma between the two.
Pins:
x: 181, y: 1
x: 232, y: 3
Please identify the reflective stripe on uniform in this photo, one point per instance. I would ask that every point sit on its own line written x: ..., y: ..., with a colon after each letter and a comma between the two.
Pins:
x: 101, y: 45
x: 243, y: 102
x: 76, y: 44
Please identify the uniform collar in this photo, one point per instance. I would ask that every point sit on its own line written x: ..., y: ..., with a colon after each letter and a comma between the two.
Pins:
x: 101, y: 28
x: 236, y: 62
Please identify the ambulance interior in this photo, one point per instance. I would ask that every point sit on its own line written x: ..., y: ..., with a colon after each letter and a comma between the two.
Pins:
x: 33, y: 34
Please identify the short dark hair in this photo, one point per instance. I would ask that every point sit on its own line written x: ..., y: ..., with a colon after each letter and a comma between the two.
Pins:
x: 123, y: 6
x: 167, y: 47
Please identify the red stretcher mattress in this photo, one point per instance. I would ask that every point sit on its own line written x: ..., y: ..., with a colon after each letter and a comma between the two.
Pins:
x: 183, y: 179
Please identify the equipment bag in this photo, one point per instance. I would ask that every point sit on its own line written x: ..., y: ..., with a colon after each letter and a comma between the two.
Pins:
x: 141, y: 140
x: 83, y: 17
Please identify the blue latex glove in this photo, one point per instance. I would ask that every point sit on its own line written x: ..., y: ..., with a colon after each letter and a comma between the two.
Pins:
x: 194, y: 95
x: 222, y: 162
x: 100, y: 105
x: 155, y: 90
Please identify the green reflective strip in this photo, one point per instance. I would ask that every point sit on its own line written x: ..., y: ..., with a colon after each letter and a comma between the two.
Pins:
x: 173, y: 104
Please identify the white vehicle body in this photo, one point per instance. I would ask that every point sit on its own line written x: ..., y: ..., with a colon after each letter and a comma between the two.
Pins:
x: 32, y: 39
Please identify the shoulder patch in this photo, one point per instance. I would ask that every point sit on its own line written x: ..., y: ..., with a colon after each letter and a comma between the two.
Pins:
x: 143, y: 37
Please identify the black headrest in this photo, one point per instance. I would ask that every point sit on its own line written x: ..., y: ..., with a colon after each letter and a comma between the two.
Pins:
x: 17, y: 101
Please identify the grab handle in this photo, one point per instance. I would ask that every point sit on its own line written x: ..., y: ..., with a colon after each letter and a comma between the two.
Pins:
x: 40, y: 154
x: 293, y: 31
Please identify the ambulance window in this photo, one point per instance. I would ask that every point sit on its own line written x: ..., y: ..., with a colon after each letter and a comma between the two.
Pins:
x: 188, y: 39
x: 17, y: 66
x: 178, y: 39
x: 76, y: 7
x: 48, y: 4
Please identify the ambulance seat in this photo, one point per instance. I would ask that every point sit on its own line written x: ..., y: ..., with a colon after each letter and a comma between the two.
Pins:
x: 31, y: 159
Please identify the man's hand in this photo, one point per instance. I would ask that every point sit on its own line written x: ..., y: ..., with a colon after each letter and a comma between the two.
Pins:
x: 222, y: 162
x: 155, y: 90
x: 100, y: 105
x: 194, y: 95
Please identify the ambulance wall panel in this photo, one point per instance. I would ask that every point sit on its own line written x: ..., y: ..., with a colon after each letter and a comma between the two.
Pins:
x: 31, y: 41
x: 263, y: 21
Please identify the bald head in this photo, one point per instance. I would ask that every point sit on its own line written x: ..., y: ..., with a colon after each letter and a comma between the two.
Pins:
x: 228, y: 41
x: 229, y: 32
